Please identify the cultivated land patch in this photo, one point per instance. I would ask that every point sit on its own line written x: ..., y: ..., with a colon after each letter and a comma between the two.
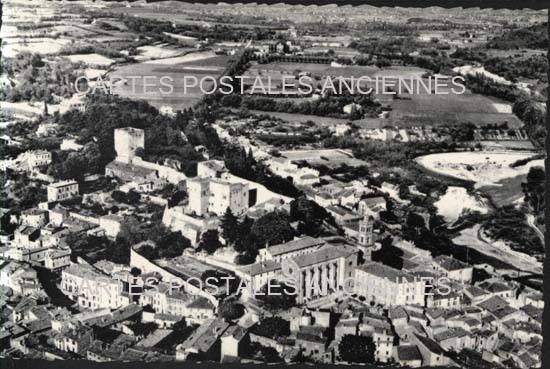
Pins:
x: 203, y: 57
x: 150, y: 52
x: 43, y: 46
x: 91, y: 59
x: 302, y: 118
x: 198, y: 65
x: 431, y: 109
x: 401, y: 72
x: 331, y: 158
x: 278, y: 68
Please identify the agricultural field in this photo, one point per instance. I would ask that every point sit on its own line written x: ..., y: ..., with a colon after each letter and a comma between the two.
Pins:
x: 194, y: 64
x: 322, y: 70
x: 90, y: 59
x: 420, y: 108
x: 435, y: 110
x: 340, y: 51
x: 302, y: 118
x: 151, y: 52
x: 43, y: 46
x: 327, y: 158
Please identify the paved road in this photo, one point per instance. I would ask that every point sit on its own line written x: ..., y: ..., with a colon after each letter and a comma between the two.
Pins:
x: 531, y: 222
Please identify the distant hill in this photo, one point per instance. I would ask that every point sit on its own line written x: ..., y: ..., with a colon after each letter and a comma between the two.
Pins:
x: 534, y: 37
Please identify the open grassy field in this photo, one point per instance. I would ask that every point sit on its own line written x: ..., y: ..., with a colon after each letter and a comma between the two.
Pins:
x: 439, y: 109
x: 508, y: 145
x: 331, y: 158
x: 506, y: 191
x: 176, y: 68
x: 91, y: 59
x: 410, y: 109
x: 278, y: 68
x: 43, y: 46
x: 451, y: 103
x: 150, y: 52
x: 302, y: 118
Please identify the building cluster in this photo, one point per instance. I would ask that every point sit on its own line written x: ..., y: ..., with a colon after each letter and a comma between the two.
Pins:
x: 28, y: 161
x: 417, y: 315
x: 423, y: 313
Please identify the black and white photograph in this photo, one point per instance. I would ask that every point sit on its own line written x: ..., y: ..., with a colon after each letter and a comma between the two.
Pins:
x: 193, y: 183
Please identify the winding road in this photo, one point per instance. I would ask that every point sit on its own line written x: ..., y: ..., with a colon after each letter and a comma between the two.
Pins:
x: 531, y: 222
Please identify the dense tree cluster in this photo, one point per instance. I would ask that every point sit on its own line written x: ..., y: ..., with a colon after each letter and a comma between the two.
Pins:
x: 534, y: 190
x: 34, y: 80
x: 155, y: 29
x: 327, y: 106
x: 163, y: 134
x: 509, y: 224
x: 19, y: 192
x: 312, y: 219
x: 388, y: 254
x: 76, y: 164
x: 165, y: 244
x: 277, y: 296
x: 387, y: 46
x: 243, y: 164
x: 511, y: 67
x: 532, y: 37
x: 357, y: 349
x: 272, y: 327
x: 533, y: 114
x: 94, y: 48
x: 210, y: 241
x: 247, y: 236
x: 231, y: 310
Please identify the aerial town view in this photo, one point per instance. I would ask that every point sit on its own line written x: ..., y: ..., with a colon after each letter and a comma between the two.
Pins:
x: 255, y: 183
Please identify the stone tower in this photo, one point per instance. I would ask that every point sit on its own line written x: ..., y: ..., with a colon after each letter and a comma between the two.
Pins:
x: 366, y: 231
x: 127, y: 141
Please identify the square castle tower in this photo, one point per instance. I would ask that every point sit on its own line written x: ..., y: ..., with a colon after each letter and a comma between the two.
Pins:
x: 127, y: 141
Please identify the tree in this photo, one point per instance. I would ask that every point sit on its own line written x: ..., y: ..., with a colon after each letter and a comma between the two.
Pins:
x: 176, y: 198
x: 230, y: 226
x: 277, y: 295
x: 357, y: 349
x: 231, y: 310
x: 310, y: 216
x: 170, y: 244
x: 210, y: 241
x: 534, y: 190
x: 415, y: 221
x: 244, y: 239
x: 273, y: 228
x: 245, y: 258
x: 133, y: 197
x: 118, y: 196
x: 273, y: 327
x: 119, y: 252
x: 388, y: 254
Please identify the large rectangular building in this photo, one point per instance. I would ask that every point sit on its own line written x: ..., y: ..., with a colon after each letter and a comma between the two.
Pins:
x: 62, y: 190
x: 214, y: 196
x: 322, y: 272
x: 388, y: 286
x: 283, y: 251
